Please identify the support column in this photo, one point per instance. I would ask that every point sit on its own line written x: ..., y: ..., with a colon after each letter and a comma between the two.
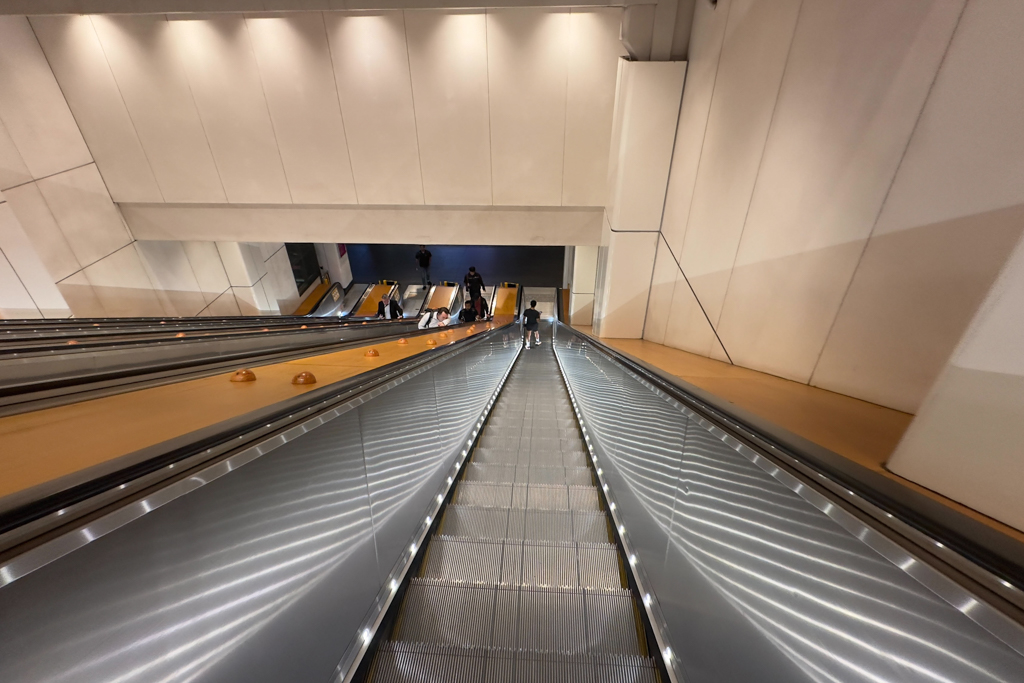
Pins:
x: 643, y: 132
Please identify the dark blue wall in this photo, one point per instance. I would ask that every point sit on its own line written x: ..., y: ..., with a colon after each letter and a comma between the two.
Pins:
x: 529, y: 266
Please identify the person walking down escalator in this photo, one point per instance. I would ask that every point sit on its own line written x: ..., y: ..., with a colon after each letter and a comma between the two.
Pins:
x: 388, y: 308
x: 423, y: 265
x: 474, y: 283
x: 532, y: 323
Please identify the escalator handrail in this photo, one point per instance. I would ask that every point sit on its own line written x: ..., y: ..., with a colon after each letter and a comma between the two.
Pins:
x: 992, y: 551
x: 200, y: 447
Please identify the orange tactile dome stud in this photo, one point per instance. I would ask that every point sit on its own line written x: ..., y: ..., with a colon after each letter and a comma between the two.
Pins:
x: 265, y: 329
x: 372, y: 353
x: 443, y: 335
x: 179, y: 335
x: 243, y: 375
x: 304, y: 378
x: 403, y: 341
x: 431, y: 342
x: 72, y: 343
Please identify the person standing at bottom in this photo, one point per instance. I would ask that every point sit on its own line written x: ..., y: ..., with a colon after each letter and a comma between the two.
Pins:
x: 532, y: 317
x: 423, y: 265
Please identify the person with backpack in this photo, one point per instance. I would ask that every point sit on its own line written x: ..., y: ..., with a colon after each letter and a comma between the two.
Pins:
x: 468, y: 314
x: 437, y: 318
x: 474, y: 283
x: 532, y: 323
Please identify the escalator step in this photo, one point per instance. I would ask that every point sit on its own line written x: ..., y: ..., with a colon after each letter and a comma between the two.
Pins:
x: 475, y: 522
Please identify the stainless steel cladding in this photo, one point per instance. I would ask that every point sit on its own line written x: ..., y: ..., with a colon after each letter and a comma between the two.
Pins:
x: 268, y: 572
x: 754, y: 581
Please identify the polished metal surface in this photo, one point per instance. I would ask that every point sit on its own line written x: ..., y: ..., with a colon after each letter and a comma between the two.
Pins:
x: 754, y: 575
x: 267, y: 568
x: 521, y: 581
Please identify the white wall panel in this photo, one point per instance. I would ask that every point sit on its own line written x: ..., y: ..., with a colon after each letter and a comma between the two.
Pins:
x: 554, y: 226
x: 15, y: 301
x: 12, y: 167
x: 171, y: 273
x: 753, y: 58
x: 82, y: 208
x: 855, y: 82
x: 663, y: 283
x: 527, y: 63
x: 967, y: 153
x: 371, y: 64
x: 221, y: 69
x: 74, y: 53
x: 223, y: 305
x: 642, y: 148
x: 295, y: 66
x: 122, y: 286
x: 688, y: 328
x: 594, y: 50
x: 81, y: 296
x: 705, y: 47
x: 32, y: 107
x: 623, y: 293
x: 42, y: 230
x: 448, y: 61
x: 279, y: 283
x: 208, y: 269
x: 152, y: 82
x: 22, y: 256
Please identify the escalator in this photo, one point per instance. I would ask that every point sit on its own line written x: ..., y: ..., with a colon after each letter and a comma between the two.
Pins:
x: 483, y: 512
x: 521, y: 580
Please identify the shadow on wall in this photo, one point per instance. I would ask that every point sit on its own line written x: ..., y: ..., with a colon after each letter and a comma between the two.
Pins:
x: 529, y: 266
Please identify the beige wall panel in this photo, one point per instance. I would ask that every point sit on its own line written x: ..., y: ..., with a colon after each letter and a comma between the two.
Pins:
x: 268, y: 249
x: 663, y: 284
x: 910, y: 302
x: 225, y: 82
x: 12, y: 167
x: 581, y: 308
x: 527, y: 63
x: 709, y: 287
x: 642, y: 149
x: 709, y: 24
x: 965, y: 442
x: 778, y: 312
x: 967, y: 153
x: 82, y: 208
x: 388, y: 225
x: 753, y: 59
x: 32, y: 107
x: 298, y: 80
x: 156, y: 92
x: 74, y: 52
x: 15, y: 301
x: 223, y: 305
x: 122, y: 286
x: 687, y: 327
x: 279, y: 283
x: 584, y: 269
x: 448, y: 61
x: 42, y: 230
x: 171, y: 273
x: 208, y: 269
x: 30, y: 269
x: 81, y: 297
x: 594, y: 50
x: 371, y: 65
x: 855, y: 82
x: 241, y: 268
x: 622, y: 300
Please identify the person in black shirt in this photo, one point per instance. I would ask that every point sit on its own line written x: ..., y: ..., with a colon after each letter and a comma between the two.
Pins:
x: 423, y: 265
x: 388, y: 308
x: 480, y: 306
x: 468, y: 314
x: 474, y: 283
x: 532, y: 318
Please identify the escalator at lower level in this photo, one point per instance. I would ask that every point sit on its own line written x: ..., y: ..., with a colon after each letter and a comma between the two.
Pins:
x: 521, y: 580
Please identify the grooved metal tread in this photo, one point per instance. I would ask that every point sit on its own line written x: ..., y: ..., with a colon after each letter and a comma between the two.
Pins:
x: 408, y: 662
x: 522, y: 581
